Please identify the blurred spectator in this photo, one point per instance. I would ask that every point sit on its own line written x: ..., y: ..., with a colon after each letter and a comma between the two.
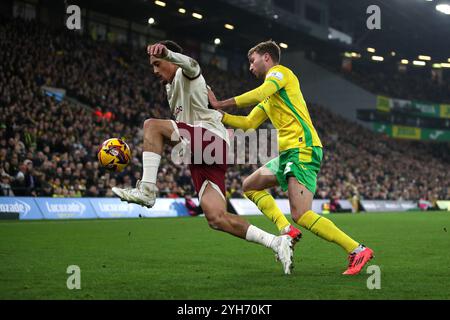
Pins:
x: 192, y: 208
x: 5, y: 187
x: 335, y: 206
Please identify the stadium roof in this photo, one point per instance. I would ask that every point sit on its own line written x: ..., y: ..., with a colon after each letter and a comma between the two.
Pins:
x: 249, y: 28
x: 408, y: 27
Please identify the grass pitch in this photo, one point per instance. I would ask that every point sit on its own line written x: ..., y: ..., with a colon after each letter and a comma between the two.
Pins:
x: 181, y: 258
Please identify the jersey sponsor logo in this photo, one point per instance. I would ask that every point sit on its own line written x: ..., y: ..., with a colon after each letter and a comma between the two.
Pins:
x: 275, y: 74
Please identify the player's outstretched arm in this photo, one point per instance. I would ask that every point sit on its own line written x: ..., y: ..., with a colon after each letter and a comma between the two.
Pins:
x: 219, y: 104
x: 274, y: 82
x: 252, y: 121
x: 254, y: 96
x: 190, y: 66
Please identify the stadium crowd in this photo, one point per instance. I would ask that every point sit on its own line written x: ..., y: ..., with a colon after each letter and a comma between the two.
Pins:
x: 413, y: 85
x: 390, y: 79
x: 48, y: 147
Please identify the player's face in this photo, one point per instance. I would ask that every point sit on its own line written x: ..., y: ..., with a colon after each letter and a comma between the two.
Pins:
x: 164, y: 70
x: 257, y: 66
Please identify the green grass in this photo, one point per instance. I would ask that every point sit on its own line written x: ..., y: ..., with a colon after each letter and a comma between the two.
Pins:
x: 181, y: 258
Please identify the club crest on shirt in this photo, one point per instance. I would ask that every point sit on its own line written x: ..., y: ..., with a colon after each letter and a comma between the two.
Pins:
x: 193, y: 63
x: 178, y: 110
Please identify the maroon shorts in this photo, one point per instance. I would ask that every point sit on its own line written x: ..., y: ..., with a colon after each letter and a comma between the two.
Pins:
x: 208, y: 159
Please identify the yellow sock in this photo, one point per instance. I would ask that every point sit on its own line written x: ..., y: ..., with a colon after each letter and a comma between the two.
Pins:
x: 327, y: 230
x: 266, y: 203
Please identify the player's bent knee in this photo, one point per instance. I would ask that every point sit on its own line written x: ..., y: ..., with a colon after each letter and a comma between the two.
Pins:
x: 216, y: 220
x: 246, y: 185
x: 215, y: 223
x: 149, y: 123
x: 153, y: 124
x: 249, y: 184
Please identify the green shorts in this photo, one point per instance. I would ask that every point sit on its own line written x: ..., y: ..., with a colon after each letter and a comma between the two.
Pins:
x: 303, y: 164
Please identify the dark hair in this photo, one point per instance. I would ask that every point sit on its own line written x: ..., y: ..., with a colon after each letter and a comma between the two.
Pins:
x: 269, y: 47
x: 172, y: 46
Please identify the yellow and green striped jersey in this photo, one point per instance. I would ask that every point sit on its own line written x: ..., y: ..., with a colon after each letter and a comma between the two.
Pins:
x: 281, y: 99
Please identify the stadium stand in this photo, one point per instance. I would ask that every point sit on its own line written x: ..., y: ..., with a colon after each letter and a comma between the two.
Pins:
x: 48, y: 147
x: 385, y: 79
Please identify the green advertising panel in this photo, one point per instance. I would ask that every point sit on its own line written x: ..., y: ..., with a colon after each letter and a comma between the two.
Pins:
x: 386, y: 104
x: 444, y: 111
x: 383, y: 104
x: 383, y: 128
x: 404, y: 132
x: 435, y: 135
x: 427, y: 109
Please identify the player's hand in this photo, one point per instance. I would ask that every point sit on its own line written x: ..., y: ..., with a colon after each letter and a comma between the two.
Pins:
x: 213, y: 100
x: 157, y: 50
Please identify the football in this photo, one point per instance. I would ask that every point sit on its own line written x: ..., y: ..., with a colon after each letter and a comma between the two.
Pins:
x: 114, y: 154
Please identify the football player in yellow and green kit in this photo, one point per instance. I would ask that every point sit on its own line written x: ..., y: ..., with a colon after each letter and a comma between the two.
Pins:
x: 280, y: 99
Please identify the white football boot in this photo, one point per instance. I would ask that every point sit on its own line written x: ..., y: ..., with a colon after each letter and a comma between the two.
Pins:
x: 284, y: 252
x: 144, y: 194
